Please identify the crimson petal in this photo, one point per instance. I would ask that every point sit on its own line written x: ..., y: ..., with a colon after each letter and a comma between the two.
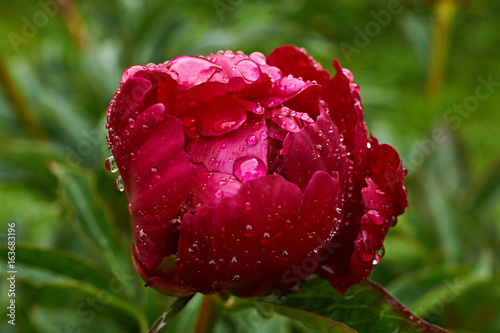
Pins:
x: 316, y: 147
x: 219, y: 153
x: 158, y: 178
x: 248, y: 243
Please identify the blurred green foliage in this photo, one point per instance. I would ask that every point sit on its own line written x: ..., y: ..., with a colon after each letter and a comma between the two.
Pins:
x: 60, y: 66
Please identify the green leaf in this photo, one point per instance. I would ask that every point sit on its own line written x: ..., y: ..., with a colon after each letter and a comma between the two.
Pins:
x: 170, y: 313
x: 365, y: 307
x: 313, y: 320
x: 41, y: 265
x: 78, y: 191
x: 46, y: 267
x: 488, y: 190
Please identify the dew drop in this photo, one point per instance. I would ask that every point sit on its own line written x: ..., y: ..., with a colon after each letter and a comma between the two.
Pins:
x: 219, y: 194
x: 229, y: 54
x: 131, y: 122
x: 142, y: 236
x: 189, y: 121
x: 258, y: 57
x: 119, y: 184
x: 248, y: 206
x: 110, y: 164
x: 129, y: 207
x: 222, y: 125
x: 266, y: 237
x: 249, y: 70
x: 248, y: 231
x: 155, y: 173
x: 252, y: 140
x: 248, y: 168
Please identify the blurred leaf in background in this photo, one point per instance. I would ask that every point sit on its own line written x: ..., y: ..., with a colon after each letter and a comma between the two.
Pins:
x: 61, y: 61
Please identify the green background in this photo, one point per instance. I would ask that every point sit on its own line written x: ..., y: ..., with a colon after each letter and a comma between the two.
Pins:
x: 61, y: 65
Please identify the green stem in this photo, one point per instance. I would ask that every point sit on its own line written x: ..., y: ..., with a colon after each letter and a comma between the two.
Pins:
x: 207, y: 315
x: 444, y: 11
x: 22, y: 109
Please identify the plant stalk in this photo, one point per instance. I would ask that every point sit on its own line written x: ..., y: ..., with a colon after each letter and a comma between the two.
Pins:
x: 207, y: 315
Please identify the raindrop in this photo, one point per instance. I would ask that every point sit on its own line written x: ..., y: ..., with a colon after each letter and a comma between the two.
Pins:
x: 131, y: 122
x: 229, y: 54
x: 119, y: 184
x: 110, y: 164
x: 219, y: 194
x: 142, y: 236
x: 189, y: 121
x: 248, y: 168
x: 155, y: 173
x: 252, y: 140
x: 258, y: 58
x: 248, y: 206
x: 249, y: 230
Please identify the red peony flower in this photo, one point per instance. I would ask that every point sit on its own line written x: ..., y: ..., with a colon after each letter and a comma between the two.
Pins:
x: 247, y: 174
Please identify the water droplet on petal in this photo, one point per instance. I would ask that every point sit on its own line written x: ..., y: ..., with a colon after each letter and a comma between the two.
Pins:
x: 248, y: 230
x: 248, y: 206
x: 189, y: 121
x: 219, y: 194
x: 266, y: 237
x: 248, y: 168
x: 119, y: 184
x: 221, y: 125
x: 143, y: 237
x: 252, y: 140
x: 229, y: 54
x: 236, y: 278
x: 110, y: 164
x: 131, y: 122
x: 258, y: 58
x: 129, y: 207
x: 249, y: 70
x: 155, y: 173
x: 223, y: 146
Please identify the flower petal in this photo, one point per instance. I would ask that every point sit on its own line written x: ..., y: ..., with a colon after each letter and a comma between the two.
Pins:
x: 157, y: 176
x: 359, y: 243
x: 164, y: 282
x: 219, y: 153
x: 248, y: 242
x: 316, y: 147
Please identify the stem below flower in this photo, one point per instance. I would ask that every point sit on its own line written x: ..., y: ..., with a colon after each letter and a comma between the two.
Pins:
x: 207, y: 315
